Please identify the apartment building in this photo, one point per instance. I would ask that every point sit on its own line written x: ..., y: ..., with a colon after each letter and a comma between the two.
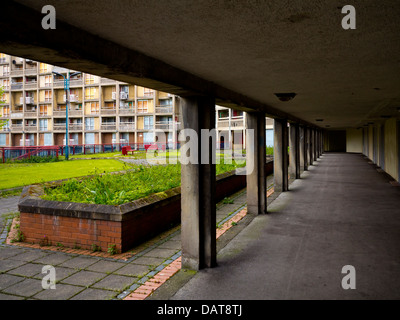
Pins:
x: 231, y: 128
x: 101, y: 110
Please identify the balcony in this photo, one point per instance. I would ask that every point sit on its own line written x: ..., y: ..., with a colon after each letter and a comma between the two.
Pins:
x: 17, y: 127
x: 75, y: 127
x: 164, y: 109
x: 57, y: 84
x: 59, y: 113
x: 108, y: 110
x: 107, y: 81
x: 16, y: 86
x: 31, y: 85
x: 47, y: 100
x: 126, y: 110
x: 17, y: 114
x: 75, y: 112
x: 30, y: 114
x: 30, y: 71
x: 223, y: 123
x: 31, y: 127
x: 59, y: 127
x: 126, y: 126
x: 3, y: 60
x: 18, y: 72
x: 237, y: 123
x: 75, y: 83
x: 108, y: 126
x: 164, y: 125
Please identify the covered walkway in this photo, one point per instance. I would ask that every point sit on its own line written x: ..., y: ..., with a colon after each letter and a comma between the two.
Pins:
x: 341, y: 212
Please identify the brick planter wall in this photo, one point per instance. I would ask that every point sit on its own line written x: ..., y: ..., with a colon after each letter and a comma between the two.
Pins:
x: 85, y: 225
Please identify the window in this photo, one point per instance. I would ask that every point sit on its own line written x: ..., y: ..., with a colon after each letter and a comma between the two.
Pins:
x: 48, y: 141
x: 148, y: 92
x: 90, y: 79
x: 43, y: 124
x: 44, y: 68
x: 148, y: 123
x: 2, y: 58
x: 3, y: 139
x: 89, y: 123
x: 5, y: 70
x: 142, y: 106
x: 5, y: 83
x: 237, y: 114
x: 47, y: 95
x: 148, y: 137
x: 48, y: 81
x: 43, y: 110
x: 89, y: 138
x: 91, y: 93
x: 5, y: 111
x: 93, y: 107
x: 223, y: 114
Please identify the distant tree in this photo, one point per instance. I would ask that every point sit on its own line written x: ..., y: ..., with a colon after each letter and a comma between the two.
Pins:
x: 2, y: 122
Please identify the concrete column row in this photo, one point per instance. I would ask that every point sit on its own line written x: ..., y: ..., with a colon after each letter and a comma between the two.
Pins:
x: 198, y: 184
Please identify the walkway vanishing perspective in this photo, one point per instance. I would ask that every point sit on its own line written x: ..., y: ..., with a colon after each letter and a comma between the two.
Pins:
x: 341, y: 212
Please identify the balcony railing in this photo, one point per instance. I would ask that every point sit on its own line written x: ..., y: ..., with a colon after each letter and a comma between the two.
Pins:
x: 108, y: 110
x: 17, y: 114
x: 31, y: 85
x: 28, y: 114
x: 18, y: 72
x: 164, y: 125
x: 30, y: 127
x: 237, y: 123
x: 58, y: 84
x: 108, y: 81
x: 75, y: 126
x: 17, y: 127
x: 108, y: 126
x: 59, y: 127
x: 59, y: 113
x: 130, y: 110
x: 75, y: 82
x: 164, y: 109
x: 30, y: 71
x: 16, y: 86
x: 75, y: 112
x: 128, y: 126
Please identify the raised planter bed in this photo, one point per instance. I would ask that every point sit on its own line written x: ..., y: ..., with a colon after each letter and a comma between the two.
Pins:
x: 85, y: 225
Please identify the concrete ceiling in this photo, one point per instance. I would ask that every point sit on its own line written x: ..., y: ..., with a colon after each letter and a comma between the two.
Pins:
x: 257, y: 48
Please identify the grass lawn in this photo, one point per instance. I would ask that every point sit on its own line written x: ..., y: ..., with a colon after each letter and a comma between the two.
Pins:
x: 16, y: 175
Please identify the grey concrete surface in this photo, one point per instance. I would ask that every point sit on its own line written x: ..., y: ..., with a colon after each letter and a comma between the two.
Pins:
x: 342, y: 212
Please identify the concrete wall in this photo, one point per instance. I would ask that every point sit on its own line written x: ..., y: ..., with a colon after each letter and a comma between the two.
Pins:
x: 354, y: 140
x: 370, y: 142
x: 335, y: 141
x: 391, y: 148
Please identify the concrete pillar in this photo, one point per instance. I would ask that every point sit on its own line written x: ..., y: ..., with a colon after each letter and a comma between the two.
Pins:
x: 305, y: 150
x: 382, y: 147
x: 311, y: 146
x: 280, y: 155
x: 294, y: 151
x: 315, y: 145
x: 255, y: 158
x: 198, y: 211
x: 301, y: 147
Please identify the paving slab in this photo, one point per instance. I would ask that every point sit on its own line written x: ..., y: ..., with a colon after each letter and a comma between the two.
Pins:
x: 79, y: 262
x: 6, y: 265
x: 27, y: 270
x: 84, y: 278
x: 115, y: 282
x: 7, y: 280
x: 106, y: 266
x: 95, y: 294
x: 26, y: 288
x: 54, y: 258
x: 61, y: 292
x: 135, y: 270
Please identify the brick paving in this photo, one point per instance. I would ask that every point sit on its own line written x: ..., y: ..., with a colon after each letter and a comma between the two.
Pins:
x: 82, y: 274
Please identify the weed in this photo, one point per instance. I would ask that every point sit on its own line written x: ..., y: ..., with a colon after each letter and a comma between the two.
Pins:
x: 112, y: 249
x: 227, y: 201
x: 95, y: 248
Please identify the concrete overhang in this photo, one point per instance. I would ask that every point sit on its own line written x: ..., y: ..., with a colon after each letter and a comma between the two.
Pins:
x: 241, y: 52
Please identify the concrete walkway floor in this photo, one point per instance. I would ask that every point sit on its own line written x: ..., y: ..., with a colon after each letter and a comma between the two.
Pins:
x: 341, y: 212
